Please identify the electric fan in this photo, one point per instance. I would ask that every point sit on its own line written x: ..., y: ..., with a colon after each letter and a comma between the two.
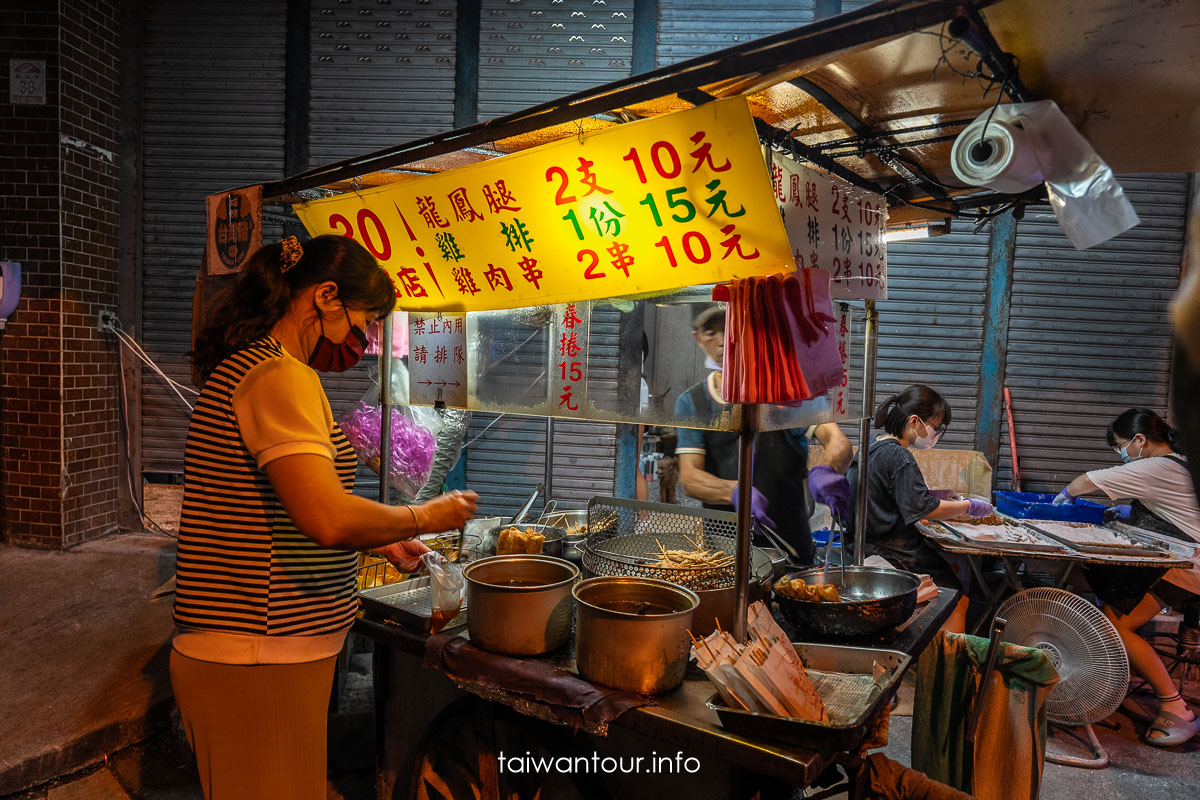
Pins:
x: 1085, y: 649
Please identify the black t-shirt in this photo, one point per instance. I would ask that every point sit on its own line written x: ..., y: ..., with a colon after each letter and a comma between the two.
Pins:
x: 780, y: 468
x: 896, y: 498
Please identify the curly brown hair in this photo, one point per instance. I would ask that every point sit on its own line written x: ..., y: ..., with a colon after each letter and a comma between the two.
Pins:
x: 263, y: 294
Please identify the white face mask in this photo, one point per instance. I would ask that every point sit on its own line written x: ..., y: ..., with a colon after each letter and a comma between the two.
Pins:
x: 929, y: 439
x: 1124, y: 452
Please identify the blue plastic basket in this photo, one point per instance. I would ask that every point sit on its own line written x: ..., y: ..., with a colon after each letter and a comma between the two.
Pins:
x: 1032, y: 505
x: 821, y: 538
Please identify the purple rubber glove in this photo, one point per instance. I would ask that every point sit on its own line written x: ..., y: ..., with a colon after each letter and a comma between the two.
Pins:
x: 1121, y: 512
x: 1064, y: 497
x: 832, y: 489
x: 979, y: 508
x: 758, y: 506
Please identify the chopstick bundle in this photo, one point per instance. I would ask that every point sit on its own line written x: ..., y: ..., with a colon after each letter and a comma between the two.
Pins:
x: 765, y: 675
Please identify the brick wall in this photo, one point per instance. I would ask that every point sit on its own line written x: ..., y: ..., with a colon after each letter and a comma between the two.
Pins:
x: 88, y: 57
x: 58, y: 376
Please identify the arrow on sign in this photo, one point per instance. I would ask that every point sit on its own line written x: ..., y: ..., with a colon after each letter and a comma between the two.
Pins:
x: 456, y: 384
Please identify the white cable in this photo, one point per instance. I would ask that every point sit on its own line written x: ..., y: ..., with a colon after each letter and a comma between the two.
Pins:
x: 137, y: 348
x: 147, y: 522
x: 129, y: 342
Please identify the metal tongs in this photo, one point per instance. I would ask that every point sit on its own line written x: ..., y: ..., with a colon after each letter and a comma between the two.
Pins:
x: 524, y: 511
x: 833, y: 526
x: 774, y: 537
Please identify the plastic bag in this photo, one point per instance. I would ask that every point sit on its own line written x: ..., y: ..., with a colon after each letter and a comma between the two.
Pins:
x: 414, y: 440
x: 448, y: 586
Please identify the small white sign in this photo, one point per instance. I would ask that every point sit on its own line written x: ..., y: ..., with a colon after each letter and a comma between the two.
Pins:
x: 833, y: 226
x: 437, y: 359
x: 26, y: 82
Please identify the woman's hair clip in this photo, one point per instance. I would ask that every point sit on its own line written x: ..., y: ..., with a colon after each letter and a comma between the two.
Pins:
x: 292, y: 253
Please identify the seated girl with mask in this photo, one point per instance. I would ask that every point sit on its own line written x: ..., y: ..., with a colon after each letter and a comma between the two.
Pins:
x: 1158, y: 481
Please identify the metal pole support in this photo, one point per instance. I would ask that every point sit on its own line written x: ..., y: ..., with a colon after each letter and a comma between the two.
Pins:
x: 871, y: 349
x: 744, y: 521
x: 385, y: 409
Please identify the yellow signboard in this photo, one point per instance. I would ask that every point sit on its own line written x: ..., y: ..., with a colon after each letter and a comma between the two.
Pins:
x: 659, y: 204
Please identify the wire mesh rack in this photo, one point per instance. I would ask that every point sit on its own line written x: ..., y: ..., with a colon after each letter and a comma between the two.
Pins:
x: 627, y: 537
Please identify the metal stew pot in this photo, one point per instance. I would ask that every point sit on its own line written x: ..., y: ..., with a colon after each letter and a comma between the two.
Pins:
x: 632, y: 633
x: 873, y: 600
x: 553, y: 546
x: 520, y: 605
x: 572, y: 545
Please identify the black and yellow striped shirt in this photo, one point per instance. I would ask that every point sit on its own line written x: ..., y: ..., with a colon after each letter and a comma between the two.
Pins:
x: 243, y: 567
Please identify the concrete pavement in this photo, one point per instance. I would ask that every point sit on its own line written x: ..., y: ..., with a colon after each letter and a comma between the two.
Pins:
x: 85, y: 654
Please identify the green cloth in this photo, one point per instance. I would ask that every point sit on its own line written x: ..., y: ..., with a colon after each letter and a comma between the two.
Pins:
x: 1011, y: 737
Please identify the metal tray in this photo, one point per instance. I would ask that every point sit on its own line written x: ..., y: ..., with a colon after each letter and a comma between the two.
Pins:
x: 851, y: 713
x: 944, y: 530
x: 1176, y: 547
x: 1141, y: 548
x: 409, y: 602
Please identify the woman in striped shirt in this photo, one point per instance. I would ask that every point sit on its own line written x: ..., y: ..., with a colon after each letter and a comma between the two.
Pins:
x: 269, y: 530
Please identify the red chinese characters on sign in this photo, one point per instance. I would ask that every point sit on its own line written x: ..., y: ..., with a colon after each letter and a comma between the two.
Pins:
x: 570, y: 343
x: 463, y: 210
x: 838, y: 395
x: 437, y: 362
x: 499, y: 198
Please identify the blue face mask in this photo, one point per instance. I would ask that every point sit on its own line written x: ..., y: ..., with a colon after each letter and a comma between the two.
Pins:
x: 1124, y: 452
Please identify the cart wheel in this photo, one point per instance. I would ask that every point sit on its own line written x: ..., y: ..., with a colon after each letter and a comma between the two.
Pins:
x: 459, y: 758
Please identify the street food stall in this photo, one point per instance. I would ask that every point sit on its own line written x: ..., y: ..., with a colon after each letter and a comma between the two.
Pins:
x: 789, y: 154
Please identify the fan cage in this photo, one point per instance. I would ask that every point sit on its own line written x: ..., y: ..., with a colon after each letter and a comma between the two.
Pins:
x: 1083, y: 645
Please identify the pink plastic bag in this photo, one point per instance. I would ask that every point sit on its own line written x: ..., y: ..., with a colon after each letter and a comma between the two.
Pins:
x: 814, y: 329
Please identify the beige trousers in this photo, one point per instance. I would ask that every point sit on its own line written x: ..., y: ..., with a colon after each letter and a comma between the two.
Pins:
x: 258, y: 731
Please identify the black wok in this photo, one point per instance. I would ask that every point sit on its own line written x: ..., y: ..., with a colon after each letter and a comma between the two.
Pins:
x: 873, y: 600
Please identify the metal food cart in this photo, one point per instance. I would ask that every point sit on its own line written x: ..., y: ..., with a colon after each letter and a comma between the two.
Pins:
x: 431, y: 729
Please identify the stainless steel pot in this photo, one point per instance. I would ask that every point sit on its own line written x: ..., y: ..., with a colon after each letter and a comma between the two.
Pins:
x: 632, y: 633
x: 520, y: 605
x: 565, y: 519
x: 572, y: 546
x: 553, y: 546
x: 872, y: 600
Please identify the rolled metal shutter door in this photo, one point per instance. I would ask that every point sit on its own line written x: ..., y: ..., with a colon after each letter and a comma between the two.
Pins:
x: 213, y: 118
x: 1090, y: 334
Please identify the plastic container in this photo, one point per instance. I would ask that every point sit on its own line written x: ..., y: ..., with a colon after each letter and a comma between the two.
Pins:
x: 821, y: 538
x: 1032, y: 505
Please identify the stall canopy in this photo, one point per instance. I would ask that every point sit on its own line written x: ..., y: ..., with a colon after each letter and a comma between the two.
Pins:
x: 876, y: 96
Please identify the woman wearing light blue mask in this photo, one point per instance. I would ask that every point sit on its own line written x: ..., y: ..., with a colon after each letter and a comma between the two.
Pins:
x: 1157, y: 479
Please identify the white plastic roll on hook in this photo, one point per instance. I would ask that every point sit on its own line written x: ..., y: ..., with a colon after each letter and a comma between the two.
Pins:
x: 1024, y: 144
x: 1000, y: 158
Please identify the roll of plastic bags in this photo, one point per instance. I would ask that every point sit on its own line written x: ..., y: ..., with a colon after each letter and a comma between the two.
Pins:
x: 1087, y: 199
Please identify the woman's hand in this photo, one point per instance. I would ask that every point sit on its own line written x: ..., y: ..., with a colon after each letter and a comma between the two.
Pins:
x: 449, y: 512
x: 979, y: 508
x: 404, y: 555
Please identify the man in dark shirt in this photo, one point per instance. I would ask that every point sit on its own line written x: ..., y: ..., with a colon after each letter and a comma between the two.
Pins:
x: 708, y: 460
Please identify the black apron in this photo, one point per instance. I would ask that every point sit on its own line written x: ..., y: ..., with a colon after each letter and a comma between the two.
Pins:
x: 780, y: 471
x: 1124, y: 587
